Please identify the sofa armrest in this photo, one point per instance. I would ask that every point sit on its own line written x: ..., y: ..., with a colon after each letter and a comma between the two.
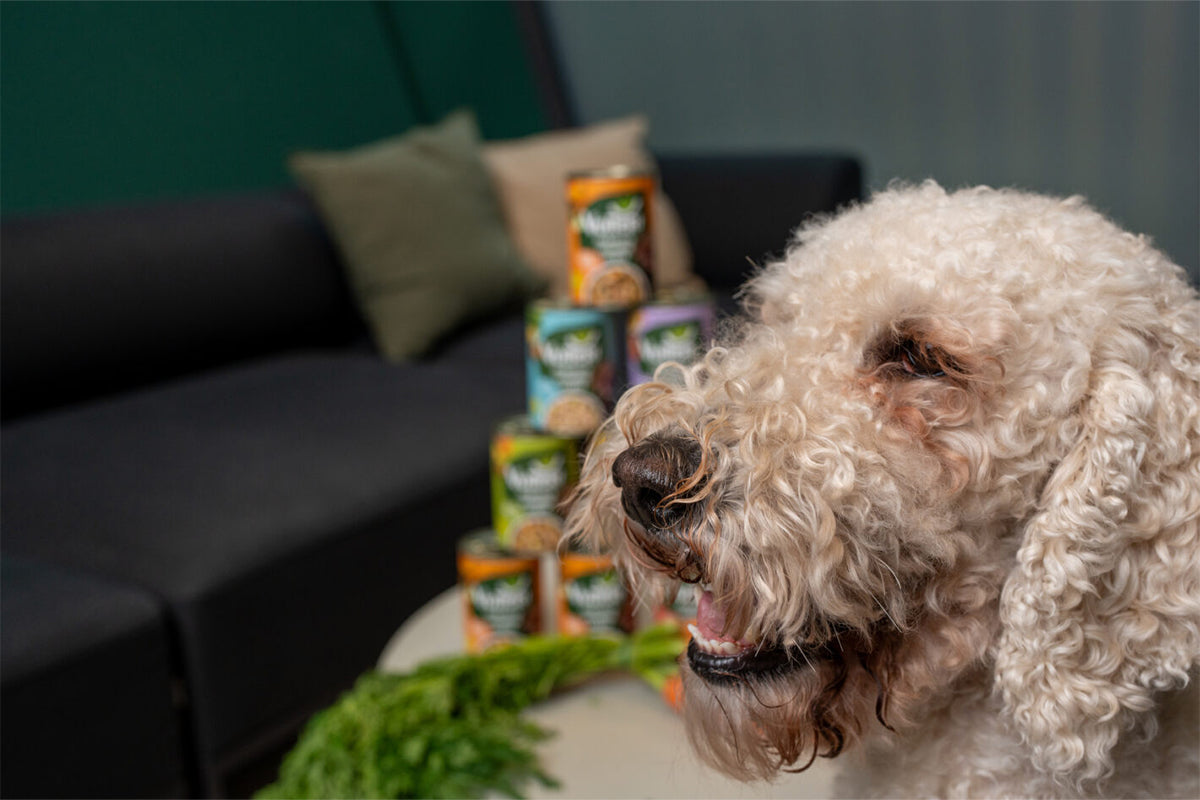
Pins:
x: 88, y: 704
x: 738, y: 210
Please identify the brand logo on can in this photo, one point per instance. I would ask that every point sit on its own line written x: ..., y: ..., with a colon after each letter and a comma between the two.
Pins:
x: 613, y: 225
x: 572, y: 355
x: 536, y: 482
x: 503, y: 602
x: 597, y: 598
x: 681, y: 342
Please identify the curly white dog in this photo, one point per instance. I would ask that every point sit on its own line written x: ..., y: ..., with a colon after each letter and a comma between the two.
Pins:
x: 942, y: 492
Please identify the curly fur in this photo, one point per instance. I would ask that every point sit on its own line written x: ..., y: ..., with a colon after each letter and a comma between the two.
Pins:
x: 951, y: 458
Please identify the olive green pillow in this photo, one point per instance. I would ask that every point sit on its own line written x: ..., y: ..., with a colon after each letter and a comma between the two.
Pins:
x: 421, y: 231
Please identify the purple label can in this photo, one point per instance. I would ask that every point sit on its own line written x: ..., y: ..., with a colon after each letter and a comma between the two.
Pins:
x: 667, y: 331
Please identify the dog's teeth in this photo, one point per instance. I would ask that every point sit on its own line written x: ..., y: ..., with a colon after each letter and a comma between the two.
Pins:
x: 716, y: 647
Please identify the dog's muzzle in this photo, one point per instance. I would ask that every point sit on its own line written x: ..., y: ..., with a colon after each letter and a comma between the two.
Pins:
x: 652, y: 476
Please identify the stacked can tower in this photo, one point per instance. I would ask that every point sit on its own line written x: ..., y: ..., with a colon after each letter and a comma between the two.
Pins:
x: 611, y: 332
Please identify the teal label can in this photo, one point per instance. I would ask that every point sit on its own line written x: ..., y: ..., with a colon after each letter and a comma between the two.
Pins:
x: 572, y: 360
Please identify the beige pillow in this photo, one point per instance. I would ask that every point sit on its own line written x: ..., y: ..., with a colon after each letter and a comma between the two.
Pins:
x: 530, y: 175
x: 421, y: 231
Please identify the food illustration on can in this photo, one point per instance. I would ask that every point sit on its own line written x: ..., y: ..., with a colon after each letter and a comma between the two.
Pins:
x: 609, y: 235
x: 571, y: 367
x: 667, y: 332
x: 592, y: 598
x: 500, y: 592
x: 531, y: 474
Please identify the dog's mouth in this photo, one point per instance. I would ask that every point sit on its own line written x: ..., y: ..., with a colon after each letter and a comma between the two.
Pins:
x: 718, y: 657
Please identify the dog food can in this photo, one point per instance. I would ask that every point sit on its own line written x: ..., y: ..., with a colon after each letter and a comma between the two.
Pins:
x: 572, y: 360
x: 531, y: 474
x: 500, y: 590
x: 679, y: 331
x: 609, y: 233
x: 592, y: 598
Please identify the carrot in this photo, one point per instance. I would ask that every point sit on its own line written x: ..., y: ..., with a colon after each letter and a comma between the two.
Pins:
x: 672, y: 692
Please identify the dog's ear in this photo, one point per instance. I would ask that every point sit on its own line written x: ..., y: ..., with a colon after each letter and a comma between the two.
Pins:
x: 1102, y: 610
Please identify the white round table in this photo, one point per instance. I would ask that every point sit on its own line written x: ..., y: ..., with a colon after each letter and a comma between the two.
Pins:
x: 613, y: 737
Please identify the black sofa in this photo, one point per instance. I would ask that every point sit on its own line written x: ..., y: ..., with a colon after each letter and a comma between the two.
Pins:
x: 217, y: 501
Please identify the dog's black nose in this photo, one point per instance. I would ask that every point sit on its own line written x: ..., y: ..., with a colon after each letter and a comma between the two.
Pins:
x: 651, y: 473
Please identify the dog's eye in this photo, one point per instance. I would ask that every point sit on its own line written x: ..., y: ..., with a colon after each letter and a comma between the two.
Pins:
x: 901, y: 354
x: 919, y: 359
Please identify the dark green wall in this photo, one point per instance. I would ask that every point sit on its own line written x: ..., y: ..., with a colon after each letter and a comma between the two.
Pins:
x: 114, y: 101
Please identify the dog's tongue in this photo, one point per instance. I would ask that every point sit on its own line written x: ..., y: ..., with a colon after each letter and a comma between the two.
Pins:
x: 710, y: 617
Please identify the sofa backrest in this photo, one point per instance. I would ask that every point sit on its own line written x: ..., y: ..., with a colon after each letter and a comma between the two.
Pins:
x: 101, y: 300
x: 738, y: 209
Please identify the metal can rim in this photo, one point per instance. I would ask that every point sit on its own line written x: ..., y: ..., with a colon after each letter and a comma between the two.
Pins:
x: 615, y: 171
x: 515, y: 425
x: 482, y: 543
x: 681, y: 298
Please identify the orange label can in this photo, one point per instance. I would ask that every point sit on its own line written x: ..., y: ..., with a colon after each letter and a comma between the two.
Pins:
x: 592, y: 598
x: 609, y: 236
x: 501, y: 592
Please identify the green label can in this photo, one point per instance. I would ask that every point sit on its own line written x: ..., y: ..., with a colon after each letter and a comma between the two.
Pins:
x: 532, y: 472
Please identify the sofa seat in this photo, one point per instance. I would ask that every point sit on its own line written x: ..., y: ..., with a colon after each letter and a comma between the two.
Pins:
x: 64, y: 634
x: 289, y: 513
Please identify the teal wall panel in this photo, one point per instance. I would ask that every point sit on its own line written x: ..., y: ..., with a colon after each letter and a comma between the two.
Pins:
x: 114, y: 101
x: 470, y: 53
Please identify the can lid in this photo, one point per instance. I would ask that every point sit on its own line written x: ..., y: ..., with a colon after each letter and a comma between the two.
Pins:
x: 566, y: 312
x: 615, y: 171
x: 581, y: 549
x: 522, y: 426
x: 516, y: 425
x: 683, y: 296
x: 482, y: 542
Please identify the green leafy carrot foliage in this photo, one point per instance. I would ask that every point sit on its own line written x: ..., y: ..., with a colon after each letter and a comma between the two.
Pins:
x: 452, y: 727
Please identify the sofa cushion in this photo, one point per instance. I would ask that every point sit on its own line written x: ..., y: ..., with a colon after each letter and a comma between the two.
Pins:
x: 87, y: 697
x: 102, y: 300
x: 291, y: 512
x: 417, y: 220
x: 531, y: 176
